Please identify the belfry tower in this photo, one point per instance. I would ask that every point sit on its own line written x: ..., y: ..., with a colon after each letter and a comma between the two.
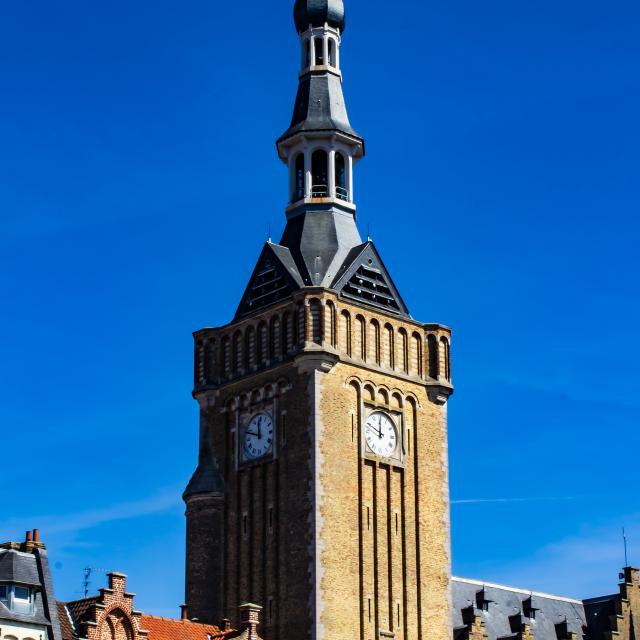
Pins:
x: 321, y: 490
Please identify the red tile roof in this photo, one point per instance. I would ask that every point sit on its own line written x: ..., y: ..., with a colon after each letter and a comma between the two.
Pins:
x: 65, y: 622
x: 169, y: 629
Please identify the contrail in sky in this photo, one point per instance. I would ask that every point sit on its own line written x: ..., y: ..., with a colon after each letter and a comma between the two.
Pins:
x: 485, y: 500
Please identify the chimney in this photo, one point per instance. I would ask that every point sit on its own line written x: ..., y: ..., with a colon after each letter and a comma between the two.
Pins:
x: 226, y: 624
x: 250, y: 619
x: 36, y: 535
x: 28, y: 537
x: 183, y: 612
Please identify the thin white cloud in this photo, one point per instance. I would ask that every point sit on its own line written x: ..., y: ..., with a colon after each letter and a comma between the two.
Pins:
x: 583, y: 565
x: 530, y: 499
x: 71, y: 523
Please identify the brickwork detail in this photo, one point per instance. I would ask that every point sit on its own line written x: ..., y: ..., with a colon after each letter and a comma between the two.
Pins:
x: 625, y: 625
x: 331, y: 543
x: 110, y: 616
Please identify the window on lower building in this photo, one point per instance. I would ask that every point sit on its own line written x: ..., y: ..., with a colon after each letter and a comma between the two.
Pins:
x: 21, y: 593
x: 15, y: 598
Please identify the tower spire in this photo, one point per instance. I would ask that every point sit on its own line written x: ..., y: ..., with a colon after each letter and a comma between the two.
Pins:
x: 320, y: 147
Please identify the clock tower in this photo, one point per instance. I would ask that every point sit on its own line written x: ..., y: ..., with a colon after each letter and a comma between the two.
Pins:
x: 321, y: 490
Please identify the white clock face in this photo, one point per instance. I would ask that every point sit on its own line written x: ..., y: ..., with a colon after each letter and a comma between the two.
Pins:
x: 258, y: 436
x: 381, y: 434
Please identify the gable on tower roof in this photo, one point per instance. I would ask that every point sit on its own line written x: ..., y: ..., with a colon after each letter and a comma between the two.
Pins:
x: 274, y: 278
x: 364, y: 278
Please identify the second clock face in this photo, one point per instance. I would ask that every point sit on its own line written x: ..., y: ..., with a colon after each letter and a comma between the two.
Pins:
x: 381, y: 434
x: 258, y: 436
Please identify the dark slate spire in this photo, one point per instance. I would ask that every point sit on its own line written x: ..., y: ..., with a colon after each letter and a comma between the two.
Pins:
x: 320, y: 147
x: 320, y: 245
x: 316, y: 13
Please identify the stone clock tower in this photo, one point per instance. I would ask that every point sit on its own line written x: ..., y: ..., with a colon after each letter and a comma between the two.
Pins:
x: 321, y: 490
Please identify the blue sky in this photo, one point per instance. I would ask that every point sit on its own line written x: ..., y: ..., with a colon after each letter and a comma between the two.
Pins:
x: 138, y: 179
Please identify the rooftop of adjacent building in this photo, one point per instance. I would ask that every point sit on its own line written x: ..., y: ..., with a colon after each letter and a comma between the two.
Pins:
x: 26, y: 587
x: 502, y: 611
x: 79, y: 619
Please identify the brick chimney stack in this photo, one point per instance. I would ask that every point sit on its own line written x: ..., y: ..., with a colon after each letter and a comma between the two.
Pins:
x: 250, y: 619
x: 117, y: 582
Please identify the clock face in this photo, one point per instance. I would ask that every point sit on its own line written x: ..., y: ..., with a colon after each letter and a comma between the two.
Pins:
x: 381, y: 434
x: 258, y: 436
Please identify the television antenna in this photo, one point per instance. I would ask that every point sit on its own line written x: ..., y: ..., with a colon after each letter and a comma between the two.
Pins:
x: 87, y: 577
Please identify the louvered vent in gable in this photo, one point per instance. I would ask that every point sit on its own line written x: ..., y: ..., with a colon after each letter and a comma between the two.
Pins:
x: 269, y: 285
x: 369, y: 285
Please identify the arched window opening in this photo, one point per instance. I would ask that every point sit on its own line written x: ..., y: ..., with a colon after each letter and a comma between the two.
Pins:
x: 432, y: 344
x: 331, y: 324
x: 225, y: 360
x: 404, y: 351
x: 315, y: 310
x: 319, y: 188
x: 375, y: 341
x: 287, y: 334
x: 249, y: 349
x: 341, y: 177
x: 360, y: 347
x: 319, y: 47
x: 298, y: 178
x: 345, y: 332
x: 416, y: 352
x: 237, y: 353
x: 262, y: 344
x: 446, y: 361
x: 332, y: 52
x: 274, y: 339
x: 390, y: 351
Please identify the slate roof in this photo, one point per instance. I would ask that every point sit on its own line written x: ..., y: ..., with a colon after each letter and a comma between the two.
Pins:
x: 363, y: 277
x: 30, y: 568
x: 320, y: 106
x: 507, y: 607
x: 206, y: 478
x: 18, y: 567
x: 598, y: 612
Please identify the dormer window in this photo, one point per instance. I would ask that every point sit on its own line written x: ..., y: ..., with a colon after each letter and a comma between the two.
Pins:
x: 16, y: 598
x: 528, y: 610
x: 482, y: 601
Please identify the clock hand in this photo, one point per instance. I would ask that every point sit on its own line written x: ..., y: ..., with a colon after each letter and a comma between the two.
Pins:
x: 376, y: 430
x: 251, y: 433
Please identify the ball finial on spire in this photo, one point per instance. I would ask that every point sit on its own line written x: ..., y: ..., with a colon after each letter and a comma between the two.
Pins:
x: 318, y: 12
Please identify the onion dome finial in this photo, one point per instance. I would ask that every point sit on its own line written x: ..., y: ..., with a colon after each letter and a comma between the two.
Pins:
x: 318, y: 12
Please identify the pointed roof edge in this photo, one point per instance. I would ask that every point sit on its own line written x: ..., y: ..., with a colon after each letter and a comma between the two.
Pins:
x: 350, y: 266
x: 288, y: 267
x: 206, y: 479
